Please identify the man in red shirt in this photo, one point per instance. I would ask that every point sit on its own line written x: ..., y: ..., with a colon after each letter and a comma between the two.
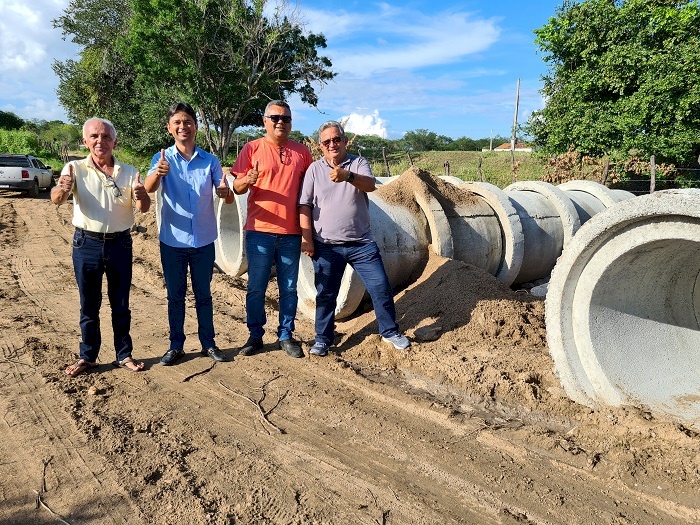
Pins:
x: 271, y: 169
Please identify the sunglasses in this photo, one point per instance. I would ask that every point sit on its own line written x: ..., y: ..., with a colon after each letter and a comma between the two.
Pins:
x: 276, y: 118
x: 109, y: 183
x: 334, y: 140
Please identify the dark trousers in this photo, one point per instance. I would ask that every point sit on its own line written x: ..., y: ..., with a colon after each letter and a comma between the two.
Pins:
x: 200, y: 262
x: 93, y: 258
x: 329, y: 264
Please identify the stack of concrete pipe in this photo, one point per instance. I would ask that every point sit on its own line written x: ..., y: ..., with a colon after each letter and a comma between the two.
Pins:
x: 515, y: 234
x: 623, y: 307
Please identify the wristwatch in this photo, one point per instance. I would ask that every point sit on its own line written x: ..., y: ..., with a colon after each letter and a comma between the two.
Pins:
x: 351, y: 177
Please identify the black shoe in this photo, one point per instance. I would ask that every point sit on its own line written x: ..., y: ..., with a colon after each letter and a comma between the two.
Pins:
x: 171, y: 356
x: 215, y: 354
x: 251, y: 346
x: 292, y: 348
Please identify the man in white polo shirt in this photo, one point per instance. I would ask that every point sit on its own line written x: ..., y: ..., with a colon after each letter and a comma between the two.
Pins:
x: 104, y: 194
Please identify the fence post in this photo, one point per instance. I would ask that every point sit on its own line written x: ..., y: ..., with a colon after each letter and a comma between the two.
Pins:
x: 478, y: 170
x: 652, y: 184
x: 446, y: 165
x: 386, y: 163
x: 410, y: 160
x: 606, y: 167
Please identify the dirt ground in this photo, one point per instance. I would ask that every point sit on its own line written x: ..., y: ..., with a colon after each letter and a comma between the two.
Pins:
x: 469, y: 425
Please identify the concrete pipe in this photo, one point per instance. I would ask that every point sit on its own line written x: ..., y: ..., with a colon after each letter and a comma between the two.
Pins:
x: 548, y: 219
x: 510, y: 232
x: 385, y: 180
x: 403, y: 238
x: 623, y: 307
x: 475, y: 228
x: 590, y: 197
x: 230, y: 243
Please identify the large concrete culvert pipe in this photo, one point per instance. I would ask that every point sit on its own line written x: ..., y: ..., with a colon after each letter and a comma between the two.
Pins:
x: 590, y: 197
x: 230, y: 243
x: 623, y: 307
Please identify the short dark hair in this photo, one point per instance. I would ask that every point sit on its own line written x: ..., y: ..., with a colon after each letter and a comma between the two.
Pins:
x: 182, y: 107
x: 331, y: 124
x: 280, y: 103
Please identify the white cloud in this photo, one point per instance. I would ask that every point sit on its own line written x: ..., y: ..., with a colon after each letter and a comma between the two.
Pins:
x: 403, y: 38
x: 28, y: 46
x: 365, y: 124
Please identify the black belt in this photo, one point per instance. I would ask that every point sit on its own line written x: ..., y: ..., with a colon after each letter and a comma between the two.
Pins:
x: 103, y: 236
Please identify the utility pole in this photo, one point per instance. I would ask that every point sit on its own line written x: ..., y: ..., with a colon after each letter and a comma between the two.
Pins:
x: 515, y: 126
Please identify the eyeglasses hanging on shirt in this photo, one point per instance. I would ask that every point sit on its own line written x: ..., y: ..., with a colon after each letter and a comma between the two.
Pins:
x: 283, y: 155
x: 109, y: 183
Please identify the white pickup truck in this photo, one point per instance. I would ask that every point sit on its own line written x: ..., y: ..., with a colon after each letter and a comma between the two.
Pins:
x: 24, y: 173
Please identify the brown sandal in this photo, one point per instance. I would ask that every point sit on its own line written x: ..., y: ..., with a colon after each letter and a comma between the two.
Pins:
x: 124, y: 363
x: 80, y: 366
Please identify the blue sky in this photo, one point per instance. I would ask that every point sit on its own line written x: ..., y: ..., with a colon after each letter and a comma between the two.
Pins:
x: 449, y: 67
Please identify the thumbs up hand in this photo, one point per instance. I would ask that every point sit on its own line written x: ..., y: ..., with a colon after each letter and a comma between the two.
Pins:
x: 336, y: 174
x: 65, y: 181
x: 163, y: 165
x: 222, y: 190
x: 253, y: 174
x: 138, y: 188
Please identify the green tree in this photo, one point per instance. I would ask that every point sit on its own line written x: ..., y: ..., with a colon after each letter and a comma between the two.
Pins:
x: 624, y: 75
x: 102, y: 83
x: 9, y: 120
x: 424, y: 140
x: 225, y: 57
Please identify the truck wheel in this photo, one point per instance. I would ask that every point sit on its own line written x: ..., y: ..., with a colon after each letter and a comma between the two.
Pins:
x: 52, y: 183
x: 34, y: 190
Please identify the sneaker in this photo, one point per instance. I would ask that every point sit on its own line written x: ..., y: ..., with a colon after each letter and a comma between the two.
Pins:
x: 171, y: 356
x: 399, y: 341
x: 251, y: 346
x: 319, y: 349
x: 292, y: 348
x: 214, y: 353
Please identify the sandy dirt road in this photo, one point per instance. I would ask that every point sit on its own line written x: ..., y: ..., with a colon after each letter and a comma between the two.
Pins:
x: 470, y: 428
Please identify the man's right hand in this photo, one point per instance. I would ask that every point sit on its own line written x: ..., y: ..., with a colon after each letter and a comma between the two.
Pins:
x: 252, y: 174
x: 163, y: 166
x: 65, y: 181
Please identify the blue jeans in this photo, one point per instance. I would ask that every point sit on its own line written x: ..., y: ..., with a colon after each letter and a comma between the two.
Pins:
x: 200, y: 261
x: 93, y: 258
x: 262, y: 250
x: 329, y: 264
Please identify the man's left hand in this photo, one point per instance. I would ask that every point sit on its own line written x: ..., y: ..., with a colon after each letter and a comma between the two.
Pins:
x: 140, y: 192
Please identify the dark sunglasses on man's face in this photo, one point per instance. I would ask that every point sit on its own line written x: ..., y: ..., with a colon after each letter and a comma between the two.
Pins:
x: 334, y: 140
x: 276, y: 118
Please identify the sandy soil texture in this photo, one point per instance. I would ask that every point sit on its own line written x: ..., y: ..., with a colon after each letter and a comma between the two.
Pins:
x: 468, y: 426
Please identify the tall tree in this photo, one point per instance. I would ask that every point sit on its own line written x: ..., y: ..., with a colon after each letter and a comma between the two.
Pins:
x: 9, y: 120
x: 102, y: 83
x: 424, y: 140
x: 624, y: 75
x: 227, y: 58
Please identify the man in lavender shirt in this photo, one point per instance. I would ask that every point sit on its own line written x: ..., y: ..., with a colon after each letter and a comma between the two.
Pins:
x: 335, y: 229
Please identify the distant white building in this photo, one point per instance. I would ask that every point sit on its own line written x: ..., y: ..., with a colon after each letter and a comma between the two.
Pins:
x: 520, y: 147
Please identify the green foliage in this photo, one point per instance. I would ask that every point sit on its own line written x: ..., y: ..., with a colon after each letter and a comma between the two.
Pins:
x: 20, y: 142
x: 623, y: 75
x: 102, y: 83
x: 226, y: 58
x: 423, y: 140
x: 9, y: 120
